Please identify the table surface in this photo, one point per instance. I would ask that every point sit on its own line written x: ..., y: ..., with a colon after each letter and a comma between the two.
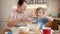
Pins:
x: 3, y: 32
x: 36, y: 31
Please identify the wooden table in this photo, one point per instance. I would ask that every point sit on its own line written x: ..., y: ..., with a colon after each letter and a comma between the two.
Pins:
x: 35, y: 32
x: 2, y: 31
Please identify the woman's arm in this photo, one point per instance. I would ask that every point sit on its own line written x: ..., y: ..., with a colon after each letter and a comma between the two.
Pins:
x: 12, y: 22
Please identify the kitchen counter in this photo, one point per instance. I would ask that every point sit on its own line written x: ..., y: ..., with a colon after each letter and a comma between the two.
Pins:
x: 35, y: 32
x: 2, y: 31
x: 57, y: 18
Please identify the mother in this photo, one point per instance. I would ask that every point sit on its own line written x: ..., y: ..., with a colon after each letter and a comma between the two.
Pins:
x: 18, y: 16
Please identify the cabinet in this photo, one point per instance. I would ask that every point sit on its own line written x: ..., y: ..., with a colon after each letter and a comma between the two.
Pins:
x: 59, y: 13
x: 37, y: 1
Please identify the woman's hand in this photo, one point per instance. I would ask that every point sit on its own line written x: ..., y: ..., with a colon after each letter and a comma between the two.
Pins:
x: 12, y: 22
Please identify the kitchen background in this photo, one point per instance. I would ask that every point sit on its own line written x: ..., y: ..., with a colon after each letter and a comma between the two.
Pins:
x: 52, y: 7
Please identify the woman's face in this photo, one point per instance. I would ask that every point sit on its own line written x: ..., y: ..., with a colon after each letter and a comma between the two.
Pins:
x: 22, y: 8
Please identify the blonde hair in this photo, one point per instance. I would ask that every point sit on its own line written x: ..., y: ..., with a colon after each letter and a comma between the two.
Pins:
x: 39, y: 8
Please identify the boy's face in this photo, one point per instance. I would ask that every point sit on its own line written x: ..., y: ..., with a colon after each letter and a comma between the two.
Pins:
x: 40, y: 12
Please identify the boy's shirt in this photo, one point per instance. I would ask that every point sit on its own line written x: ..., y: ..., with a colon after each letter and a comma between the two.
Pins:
x: 41, y: 21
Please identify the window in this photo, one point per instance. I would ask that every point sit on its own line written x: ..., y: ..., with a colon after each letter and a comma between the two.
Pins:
x: 37, y: 1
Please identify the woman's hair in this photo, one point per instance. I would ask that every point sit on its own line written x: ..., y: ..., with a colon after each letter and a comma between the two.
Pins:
x: 20, y: 2
x: 39, y: 8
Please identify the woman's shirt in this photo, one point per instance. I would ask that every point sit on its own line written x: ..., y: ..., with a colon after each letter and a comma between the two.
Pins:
x: 16, y: 16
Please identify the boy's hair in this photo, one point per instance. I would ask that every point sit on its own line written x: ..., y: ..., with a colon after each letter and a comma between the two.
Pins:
x: 39, y: 8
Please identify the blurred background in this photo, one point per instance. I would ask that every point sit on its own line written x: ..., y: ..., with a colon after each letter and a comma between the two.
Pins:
x: 52, y: 9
